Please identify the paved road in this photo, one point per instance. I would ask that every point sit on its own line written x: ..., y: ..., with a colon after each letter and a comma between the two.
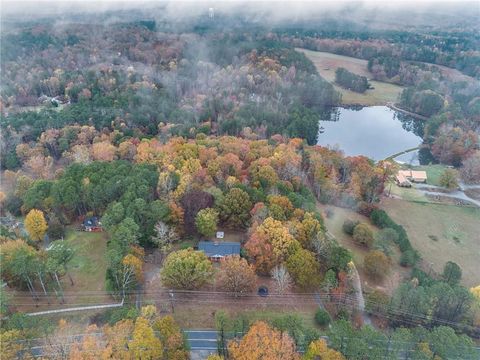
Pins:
x: 202, y: 339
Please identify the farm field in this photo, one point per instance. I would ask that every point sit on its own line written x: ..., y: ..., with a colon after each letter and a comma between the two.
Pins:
x: 441, y: 233
x: 327, y: 63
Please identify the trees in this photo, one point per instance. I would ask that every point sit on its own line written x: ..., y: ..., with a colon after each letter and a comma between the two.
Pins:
x: 165, y: 236
x: 235, y: 208
x: 18, y: 263
x: 192, y: 202
x: 206, y: 222
x: 318, y: 349
x: 236, y: 275
x: 363, y: 235
x: 186, y: 269
x: 283, y: 280
x: 172, y: 338
x: 448, y: 179
x: 304, y: 269
x: 452, y: 273
x: 377, y: 264
x: 263, y: 343
x: 270, y: 244
x: 470, y: 171
x: 351, y: 81
x: 144, y: 344
x: 36, y: 225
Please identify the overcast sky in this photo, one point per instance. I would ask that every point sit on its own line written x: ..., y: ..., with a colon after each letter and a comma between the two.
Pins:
x: 277, y: 10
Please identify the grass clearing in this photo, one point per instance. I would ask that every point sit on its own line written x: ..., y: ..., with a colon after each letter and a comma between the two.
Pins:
x: 334, y: 225
x: 89, y: 265
x: 327, y: 63
x: 87, y: 270
x: 192, y: 317
x: 441, y: 233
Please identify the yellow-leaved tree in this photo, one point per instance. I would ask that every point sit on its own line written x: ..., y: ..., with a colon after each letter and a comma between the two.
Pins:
x: 318, y: 349
x: 144, y: 344
x: 36, y: 225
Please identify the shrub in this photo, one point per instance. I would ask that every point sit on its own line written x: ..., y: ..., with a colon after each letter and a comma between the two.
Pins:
x: 452, y: 273
x: 377, y: 264
x: 322, y: 317
x: 363, y: 235
x: 381, y: 219
x: 349, y: 225
x: 409, y: 258
x: 377, y: 302
x: 366, y: 209
x: 343, y: 314
x: 448, y: 179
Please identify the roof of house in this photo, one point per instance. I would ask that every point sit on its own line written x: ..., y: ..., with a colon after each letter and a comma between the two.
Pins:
x: 415, y: 174
x: 91, y: 221
x: 219, y: 249
x: 402, y: 179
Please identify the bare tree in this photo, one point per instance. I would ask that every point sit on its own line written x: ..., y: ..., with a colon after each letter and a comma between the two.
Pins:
x: 283, y: 280
x: 321, y: 245
x: 164, y: 237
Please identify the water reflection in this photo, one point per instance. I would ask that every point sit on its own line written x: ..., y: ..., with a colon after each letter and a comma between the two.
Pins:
x: 376, y: 131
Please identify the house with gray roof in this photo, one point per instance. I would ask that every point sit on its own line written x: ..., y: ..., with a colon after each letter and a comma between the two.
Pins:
x: 216, y: 250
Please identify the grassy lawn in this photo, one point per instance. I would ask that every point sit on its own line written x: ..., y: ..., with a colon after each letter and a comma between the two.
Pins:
x: 87, y: 268
x: 409, y: 194
x: 195, y: 317
x: 334, y: 225
x: 328, y: 63
x: 441, y: 233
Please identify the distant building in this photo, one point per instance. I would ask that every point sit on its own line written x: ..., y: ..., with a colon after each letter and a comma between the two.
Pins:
x: 92, y: 224
x: 211, y: 13
x: 406, y: 177
x: 216, y: 251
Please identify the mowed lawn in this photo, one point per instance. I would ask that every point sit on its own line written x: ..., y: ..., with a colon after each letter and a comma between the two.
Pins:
x: 441, y: 233
x: 328, y: 63
x: 87, y: 268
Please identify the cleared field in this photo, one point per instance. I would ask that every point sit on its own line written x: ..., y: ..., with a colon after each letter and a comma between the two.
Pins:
x: 441, y: 233
x: 188, y: 316
x: 89, y: 265
x: 328, y: 63
x: 87, y: 270
x: 334, y: 225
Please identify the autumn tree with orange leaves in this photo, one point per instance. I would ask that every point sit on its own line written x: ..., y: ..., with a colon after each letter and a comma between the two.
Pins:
x: 262, y: 342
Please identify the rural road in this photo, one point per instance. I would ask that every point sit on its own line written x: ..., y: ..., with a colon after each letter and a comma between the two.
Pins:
x: 202, y: 339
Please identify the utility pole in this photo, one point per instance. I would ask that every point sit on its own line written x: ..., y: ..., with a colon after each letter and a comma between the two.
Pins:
x: 172, y: 300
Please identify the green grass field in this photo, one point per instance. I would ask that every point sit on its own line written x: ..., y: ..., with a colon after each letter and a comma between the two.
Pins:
x: 88, y: 265
x: 327, y: 63
x: 441, y: 233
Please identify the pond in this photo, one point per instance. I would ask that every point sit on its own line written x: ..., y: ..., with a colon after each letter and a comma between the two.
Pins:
x: 374, y: 131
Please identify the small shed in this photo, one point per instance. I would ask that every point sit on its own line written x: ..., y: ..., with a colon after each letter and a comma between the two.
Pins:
x: 92, y: 224
x: 216, y: 251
